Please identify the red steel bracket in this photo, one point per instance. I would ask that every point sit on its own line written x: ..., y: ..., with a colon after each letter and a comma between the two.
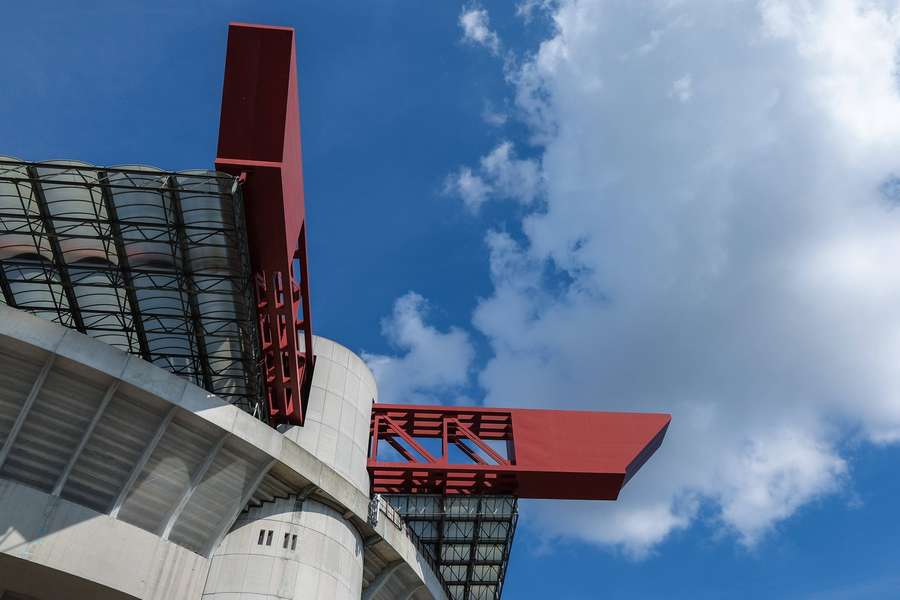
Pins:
x: 549, y: 453
x: 259, y: 140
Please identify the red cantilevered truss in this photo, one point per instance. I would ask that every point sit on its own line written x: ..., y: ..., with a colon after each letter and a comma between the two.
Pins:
x: 524, y: 453
x: 520, y: 452
x: 259, y: 141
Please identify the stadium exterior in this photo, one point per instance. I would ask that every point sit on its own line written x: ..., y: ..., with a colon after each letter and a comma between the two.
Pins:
x: 171, y: 428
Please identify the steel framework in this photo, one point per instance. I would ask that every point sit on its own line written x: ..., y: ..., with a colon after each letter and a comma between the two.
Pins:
x: 469, y: 538
x: 151, y: 262
x: 521, y: 452
x: 205, y: 274
x: 259, y: 141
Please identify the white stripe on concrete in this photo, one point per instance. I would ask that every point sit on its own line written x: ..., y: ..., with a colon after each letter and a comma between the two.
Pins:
x: 84, y: 438
x: 240, y: 507
x: 413, y: 590
x: 142, y: 462
x: 383, y: 577
x: 26, y: 408
x: 195, y: 481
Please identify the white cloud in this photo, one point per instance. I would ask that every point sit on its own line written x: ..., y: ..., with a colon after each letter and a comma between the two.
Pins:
x: 493, y: 117
x: 476, y: 26
x: 732, y: 259
x: 500, y: 175
x: 433, y: 364
x: 527, y: 9
x: 471, y: 188
x: 512, y: 177
x: 682, y: 89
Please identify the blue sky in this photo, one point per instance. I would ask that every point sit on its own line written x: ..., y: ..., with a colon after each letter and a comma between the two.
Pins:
x: 612, y: 205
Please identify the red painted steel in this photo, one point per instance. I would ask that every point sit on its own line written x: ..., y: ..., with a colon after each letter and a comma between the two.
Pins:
x: 259, y: 140
x: 549, y: 453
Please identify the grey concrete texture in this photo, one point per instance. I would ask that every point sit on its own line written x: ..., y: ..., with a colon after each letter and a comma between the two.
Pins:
x: 290, y: 551
x: 66, y: 537
x: 336, y: 426
x: 63, y: 537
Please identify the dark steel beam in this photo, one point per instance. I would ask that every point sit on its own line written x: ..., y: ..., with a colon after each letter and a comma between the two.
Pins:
x: 59, y: 259
x: 439, y: 542
x: 507, y: 549
x: 184, y: 250
x: 5, y: 287
x: 470, y: 566
x: 137, y: 320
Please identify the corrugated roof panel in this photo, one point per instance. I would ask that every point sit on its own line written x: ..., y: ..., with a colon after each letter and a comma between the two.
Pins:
x: 149, y: 261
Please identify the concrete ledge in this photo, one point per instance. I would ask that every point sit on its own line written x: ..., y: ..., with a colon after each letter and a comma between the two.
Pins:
x: 331, y: 486
x: 68, y: 537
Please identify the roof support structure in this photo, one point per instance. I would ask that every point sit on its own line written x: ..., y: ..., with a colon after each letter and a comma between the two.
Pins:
x: 8, y: 295
x: 59, y: 260
x: 466, y: 536
x: 476, y: 531
x: 144, y: 275
x: 137, y: 321
x: 549, y: 454
x: 507, y: 549
x: 190, y: 287
x: 441, y: 530
x: 259, y: 141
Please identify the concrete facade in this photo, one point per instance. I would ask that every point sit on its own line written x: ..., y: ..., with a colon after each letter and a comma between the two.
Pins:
x: 119, y: 475
x: 109, y: 556
x: 289, y: 548
x: 338, y: 416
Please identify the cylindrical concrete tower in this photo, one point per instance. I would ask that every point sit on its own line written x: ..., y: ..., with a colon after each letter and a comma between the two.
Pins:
x: 339, y: 412
x: 299, y: 548
x: 289, y: 548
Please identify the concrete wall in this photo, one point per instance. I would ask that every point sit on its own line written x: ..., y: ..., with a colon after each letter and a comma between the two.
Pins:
x: 114, y: 424
x: 339, y: 413
x: 288, y: 549
x: 67, y: 538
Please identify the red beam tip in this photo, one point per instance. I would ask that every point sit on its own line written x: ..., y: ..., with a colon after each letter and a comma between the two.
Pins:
x: 260, y: 26
x: 576, y: 455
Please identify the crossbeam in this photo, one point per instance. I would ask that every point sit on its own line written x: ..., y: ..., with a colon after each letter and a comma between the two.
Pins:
x: 549, y: 453
x: 259, y: 141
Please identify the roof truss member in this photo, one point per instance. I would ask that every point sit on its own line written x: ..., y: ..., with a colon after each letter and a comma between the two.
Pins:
x: 259, y: 141
x: 548, y: 453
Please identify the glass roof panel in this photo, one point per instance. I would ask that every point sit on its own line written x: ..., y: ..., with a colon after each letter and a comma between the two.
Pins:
x: 152, y: 262
x: 471, y: 535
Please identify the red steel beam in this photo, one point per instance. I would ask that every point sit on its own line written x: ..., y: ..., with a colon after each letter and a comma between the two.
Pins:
x: 259, y: 141
x: 573, y: 455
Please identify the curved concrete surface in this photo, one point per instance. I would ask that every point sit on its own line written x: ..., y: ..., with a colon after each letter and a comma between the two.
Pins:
x: 288, y: 549
x: 338, y: 415
x: 126, y: 464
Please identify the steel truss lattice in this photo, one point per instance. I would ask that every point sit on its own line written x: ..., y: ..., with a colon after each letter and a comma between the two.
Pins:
x: 152, y: 262
x: 469, y: 537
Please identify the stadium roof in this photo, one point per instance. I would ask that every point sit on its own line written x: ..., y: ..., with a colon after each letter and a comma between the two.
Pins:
x: 468, y: 537
x: 152, y: 262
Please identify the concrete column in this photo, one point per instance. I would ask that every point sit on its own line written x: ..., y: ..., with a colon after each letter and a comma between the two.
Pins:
x: 288, y: 550
x: 339, y: 412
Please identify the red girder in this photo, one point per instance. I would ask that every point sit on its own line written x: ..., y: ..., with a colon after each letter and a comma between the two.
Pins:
x: 259, y: 140
x: 549, y: 453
